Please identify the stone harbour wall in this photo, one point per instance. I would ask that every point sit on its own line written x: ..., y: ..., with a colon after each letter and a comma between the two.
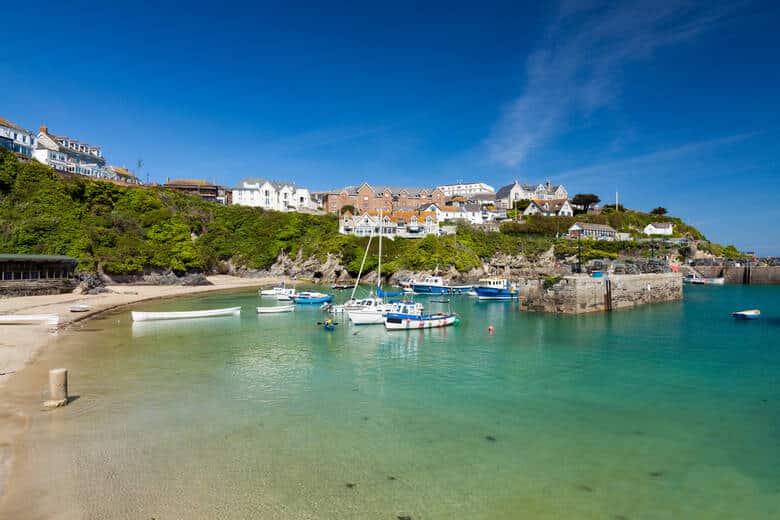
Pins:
x: 579, y: 294
x: 764, y: 275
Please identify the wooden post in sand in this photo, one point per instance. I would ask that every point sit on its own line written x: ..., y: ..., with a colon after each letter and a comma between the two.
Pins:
x: 58, y: 388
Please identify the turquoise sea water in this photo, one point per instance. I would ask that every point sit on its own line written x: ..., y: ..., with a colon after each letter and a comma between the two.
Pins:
x: 665, y: 412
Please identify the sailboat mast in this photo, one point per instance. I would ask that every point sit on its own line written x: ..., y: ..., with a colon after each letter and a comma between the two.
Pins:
x: 379, y: 265
x: 360, y: 271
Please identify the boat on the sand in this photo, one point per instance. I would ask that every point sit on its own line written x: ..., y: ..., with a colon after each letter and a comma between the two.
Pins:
x: 177, y: 315
x: 22, y: 319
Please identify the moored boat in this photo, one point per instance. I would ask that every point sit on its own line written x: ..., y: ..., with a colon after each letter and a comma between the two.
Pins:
x: 275, y: 310
x: 276, y: 291
x: 79, y: 308
x: 177, y: 315
x: 424, y: 321
x: 695, y: 279
x: 495, y: 289
x: 436, y: 285
x: 752, y: 314
x: 376, y: 315
x: 310, y: 297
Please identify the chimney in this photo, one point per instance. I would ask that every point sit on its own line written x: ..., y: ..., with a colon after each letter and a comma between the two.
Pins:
x: 167, y: 180
x: 44, y: 129
x: 548, y: 184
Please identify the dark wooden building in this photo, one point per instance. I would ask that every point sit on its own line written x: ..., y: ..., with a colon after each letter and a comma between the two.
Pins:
x: 24, y: 275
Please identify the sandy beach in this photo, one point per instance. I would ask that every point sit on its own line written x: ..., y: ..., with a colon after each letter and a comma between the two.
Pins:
x: 21, y: 344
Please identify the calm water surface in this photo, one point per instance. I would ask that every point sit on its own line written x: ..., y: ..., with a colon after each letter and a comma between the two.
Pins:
x: 665, y: 412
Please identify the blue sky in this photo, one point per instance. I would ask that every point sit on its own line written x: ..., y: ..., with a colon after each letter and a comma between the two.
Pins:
x: 672, y: 103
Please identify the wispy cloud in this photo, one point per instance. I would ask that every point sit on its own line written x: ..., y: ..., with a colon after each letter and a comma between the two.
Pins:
x: 627, y: 165
x: 577, y: 67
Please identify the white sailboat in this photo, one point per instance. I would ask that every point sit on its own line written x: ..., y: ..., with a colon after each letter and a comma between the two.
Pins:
x: 376, y: 309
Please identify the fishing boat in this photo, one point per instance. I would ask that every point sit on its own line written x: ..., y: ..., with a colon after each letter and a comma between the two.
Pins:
x: 79, y: 308
x: 22, y: 319
x: 275, y: 310
x: 178, y: 315
x: 694, y: 278
x: 311, y: 297
x: 495, y: 289
x: 752, y: 314
x: 436, y: 285
x: 424, y: 321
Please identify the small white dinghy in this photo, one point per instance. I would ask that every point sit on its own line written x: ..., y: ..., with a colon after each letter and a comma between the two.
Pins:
x: 149, y: 316
x: 275, y: 310
x: 22, y: 319
x: 79, y: 308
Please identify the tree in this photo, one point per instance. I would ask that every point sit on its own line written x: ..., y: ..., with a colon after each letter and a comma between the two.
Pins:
x: 586, y: 200
x: 348, y: 207
x: 660, y: 210
x: 521, y: 205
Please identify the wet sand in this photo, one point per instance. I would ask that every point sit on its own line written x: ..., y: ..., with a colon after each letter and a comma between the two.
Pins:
x: 20, y: 345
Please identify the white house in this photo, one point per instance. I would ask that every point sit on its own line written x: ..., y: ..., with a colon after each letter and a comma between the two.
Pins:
x: 401, y: 224
x: 507, y: 195
x: 279, y: 196
x: 550, y: 208
x: 471, y: 213
x: 593, y: 231
x: 466, y: 188
x: 67, y: 154
x: 16, y: 138
x: 659, y: 228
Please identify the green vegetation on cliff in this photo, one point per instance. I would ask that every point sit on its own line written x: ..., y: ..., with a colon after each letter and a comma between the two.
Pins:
x: 124, y: 230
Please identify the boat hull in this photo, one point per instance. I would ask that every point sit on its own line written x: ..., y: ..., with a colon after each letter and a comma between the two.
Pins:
x: 440, y: 289
x: 494, y: 293
x: 409, y: 322
x: 309, y: 301
x: 366, y: 317
x: 746, y: 315
x: 275, y: 310
x: 212, y: 313
x: 21, y: 319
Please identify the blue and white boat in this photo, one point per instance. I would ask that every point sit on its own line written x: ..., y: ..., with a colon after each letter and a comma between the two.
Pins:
x: 306, y: 297
x: 395, y: 321
x: 752, y: 314
x: 436, y: 285
x: 495, y: 289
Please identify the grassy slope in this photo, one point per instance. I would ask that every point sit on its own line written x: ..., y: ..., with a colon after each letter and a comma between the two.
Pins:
x: 127, y: 229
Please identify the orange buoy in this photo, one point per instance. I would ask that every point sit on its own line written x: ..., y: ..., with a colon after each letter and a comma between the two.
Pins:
x: 490, y: 329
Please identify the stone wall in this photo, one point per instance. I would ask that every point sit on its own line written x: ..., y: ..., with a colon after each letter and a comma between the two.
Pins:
x: 35, y: 287
x: 767, y: 275
x: 580, y: 294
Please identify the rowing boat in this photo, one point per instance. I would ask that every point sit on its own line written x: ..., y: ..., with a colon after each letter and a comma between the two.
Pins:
x: 275, y: 310
x: 20, y: 319
x: 211, y: 313
x: 424, y: 321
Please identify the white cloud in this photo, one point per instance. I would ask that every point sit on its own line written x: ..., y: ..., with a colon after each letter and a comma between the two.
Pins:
x: 576, y: 69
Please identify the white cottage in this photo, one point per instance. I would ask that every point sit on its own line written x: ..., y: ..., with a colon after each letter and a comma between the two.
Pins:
x: 278, y: 196
x: 659, y: 228
x: 549, y: 208
x: 16, y: 138
x: 509, y: 194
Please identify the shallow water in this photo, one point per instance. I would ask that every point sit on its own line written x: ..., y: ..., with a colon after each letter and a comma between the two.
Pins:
x: 667, y: 411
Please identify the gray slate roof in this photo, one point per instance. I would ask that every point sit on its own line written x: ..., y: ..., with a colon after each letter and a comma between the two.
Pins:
x: 260, y: 180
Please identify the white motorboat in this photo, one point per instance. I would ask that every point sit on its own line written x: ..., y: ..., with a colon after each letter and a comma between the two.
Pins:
x: 79, y: 308
x: 275, y: 310
x: 377, y: 314
x: 276, y: 291
x: 285, y: 297
x: 149, y: 316
x: 695, y: 279
x: 22, y: 319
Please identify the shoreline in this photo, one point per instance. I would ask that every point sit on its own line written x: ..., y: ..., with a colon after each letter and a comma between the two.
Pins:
x: 22, y: 345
